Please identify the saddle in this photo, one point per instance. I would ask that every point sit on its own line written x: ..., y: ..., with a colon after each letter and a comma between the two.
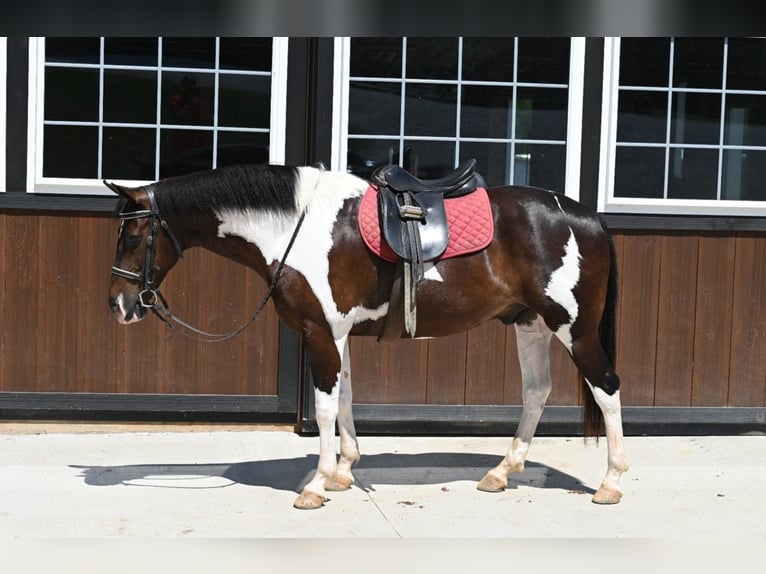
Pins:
x: 413, y: 222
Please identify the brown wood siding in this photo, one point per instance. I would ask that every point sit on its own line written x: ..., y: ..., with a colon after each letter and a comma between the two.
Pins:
x: 58, y: 334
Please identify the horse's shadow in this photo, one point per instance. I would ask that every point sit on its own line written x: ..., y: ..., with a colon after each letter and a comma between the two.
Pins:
x: 291, y: 474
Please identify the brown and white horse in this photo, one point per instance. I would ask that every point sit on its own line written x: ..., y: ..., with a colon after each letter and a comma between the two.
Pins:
x: 549, y: 269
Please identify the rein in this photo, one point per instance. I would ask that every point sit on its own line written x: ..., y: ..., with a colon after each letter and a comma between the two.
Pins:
x: 159, y: 305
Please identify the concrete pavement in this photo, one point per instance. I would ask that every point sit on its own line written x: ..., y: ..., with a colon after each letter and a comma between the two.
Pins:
x: 73, y: 481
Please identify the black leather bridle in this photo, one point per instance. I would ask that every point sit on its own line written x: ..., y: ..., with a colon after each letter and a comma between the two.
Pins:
x: 158, y: 305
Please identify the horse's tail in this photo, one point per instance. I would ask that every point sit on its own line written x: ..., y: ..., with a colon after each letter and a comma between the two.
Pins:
x: 592, y: 417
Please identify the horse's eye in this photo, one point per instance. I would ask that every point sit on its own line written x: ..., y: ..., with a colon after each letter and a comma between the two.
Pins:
x: 133, y: 240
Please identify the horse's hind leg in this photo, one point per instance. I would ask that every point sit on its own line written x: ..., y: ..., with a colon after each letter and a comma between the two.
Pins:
x: 533, y: 344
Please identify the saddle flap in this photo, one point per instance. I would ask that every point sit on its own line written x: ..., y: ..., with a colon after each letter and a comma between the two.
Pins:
x: 431, y: 229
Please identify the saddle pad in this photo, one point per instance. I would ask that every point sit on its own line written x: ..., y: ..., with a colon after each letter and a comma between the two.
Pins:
x: 469, y: 218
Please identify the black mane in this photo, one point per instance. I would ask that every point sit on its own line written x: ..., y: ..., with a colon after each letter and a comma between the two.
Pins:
x: 263, y: 187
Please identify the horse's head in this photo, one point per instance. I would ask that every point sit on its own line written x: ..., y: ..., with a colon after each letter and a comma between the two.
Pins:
x: 146, y: 251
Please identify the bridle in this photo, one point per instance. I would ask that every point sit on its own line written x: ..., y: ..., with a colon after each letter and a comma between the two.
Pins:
x: 158, y: 304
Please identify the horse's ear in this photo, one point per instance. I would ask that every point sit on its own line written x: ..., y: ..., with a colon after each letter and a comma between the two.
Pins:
x: 133, y: 194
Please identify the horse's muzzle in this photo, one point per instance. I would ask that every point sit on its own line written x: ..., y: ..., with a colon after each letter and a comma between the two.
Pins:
x: 127, y: 311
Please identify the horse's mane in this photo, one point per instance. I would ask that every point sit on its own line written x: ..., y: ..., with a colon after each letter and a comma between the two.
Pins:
x: 269, y: 188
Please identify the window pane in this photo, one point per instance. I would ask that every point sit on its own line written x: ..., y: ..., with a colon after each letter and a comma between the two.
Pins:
x: 639, y: 172
x: 188, y: 98
x: 644, y: 61
x: 544, y: 60
x: 541, y: 114
x: 430, y: 110
x: 130, y: 51
x: 486, y: 111
x: 493, y: 160
x: 696, y: 118
x: 188, y: 52
x: 744, y: 172
x: 429, y: 159
x: 488, y: 59
x: 745, y: 120
x: 244, y: 101
x: 130, y: 96
x: 70, y: 151
x: 540, y: 166
x: 71, y: 94
x: 185, y: 151
x: 73, y: 50
x: 374, y: 108
x: 376, y: 57
x: 366, y: 155
x: 242, y: 147
x: 744, y: 70
x: 432, y: 58
x: 698, y: 63
x: 129, y: 153
x: 642, y: 116
x: 693, y: 173
x: 246, y: 54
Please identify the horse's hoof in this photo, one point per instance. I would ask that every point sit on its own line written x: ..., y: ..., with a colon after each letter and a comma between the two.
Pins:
x: 490, y: 483
x: 338, y: 483
x: 309, y: 501
x: 606, y: 495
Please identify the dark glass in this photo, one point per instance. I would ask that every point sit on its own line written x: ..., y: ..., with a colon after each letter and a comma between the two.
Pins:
x: 745, y: 69
x: 235, y: 148
x: 187, y: 98
x: 695, y: 118
x: 540, y: 165
x: 130, y: 51
x: 188, y: 52
x: 644, y: 61
x: 71, y: 94
x: 376, y: 57
x: 430, y: 110
x: 129, y: 153
x: 70, y: 151
x: 364, y: 156
x: 642, y: 116
x: 488, y: 59
x: 374, y: 108
x: 73, y: 50
x: 245, y: 54
x: 745, y: 121
x: 485, y: 111
x: 744, y: 172
x: 698, y: 63
x: 185, y: 151
x: 544, y: 60
x: 492, y: 160
x: 693, y: 173
x: 429, y: 159
x: 639, y: 172
x: 244, y: 101
x: 130, y: 96
x: 432, y: 58
x: 541, y: 113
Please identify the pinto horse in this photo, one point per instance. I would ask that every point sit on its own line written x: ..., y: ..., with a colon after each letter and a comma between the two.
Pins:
x: 549, y: 269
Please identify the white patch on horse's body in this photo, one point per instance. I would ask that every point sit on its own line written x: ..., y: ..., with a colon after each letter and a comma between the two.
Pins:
x: 431, y: 272
x: 321, y: 194
x: 561, y: 287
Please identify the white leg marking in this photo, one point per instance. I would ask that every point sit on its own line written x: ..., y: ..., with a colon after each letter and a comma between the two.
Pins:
x: 561, y: 287
x: 349, y: 447
x: 533, y: 344
x: 616, y: 458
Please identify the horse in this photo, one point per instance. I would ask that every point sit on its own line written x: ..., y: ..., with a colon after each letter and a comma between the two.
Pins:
x: 548, y: 269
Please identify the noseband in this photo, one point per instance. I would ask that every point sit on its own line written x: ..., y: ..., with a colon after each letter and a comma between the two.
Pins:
x: 158, y: 305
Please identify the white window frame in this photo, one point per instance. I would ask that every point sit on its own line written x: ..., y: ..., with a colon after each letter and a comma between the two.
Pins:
x: 36, y: 183
x: 3, y: 81
x: 341, y: 82
x: 607, y: 202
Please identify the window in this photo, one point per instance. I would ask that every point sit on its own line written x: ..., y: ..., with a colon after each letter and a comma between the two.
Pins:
x: 685, y: 126
x: 141, y: 109
x: 427, y: 104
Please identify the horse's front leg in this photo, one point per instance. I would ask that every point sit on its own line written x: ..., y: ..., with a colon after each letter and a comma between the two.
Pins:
x: 332, y: 402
